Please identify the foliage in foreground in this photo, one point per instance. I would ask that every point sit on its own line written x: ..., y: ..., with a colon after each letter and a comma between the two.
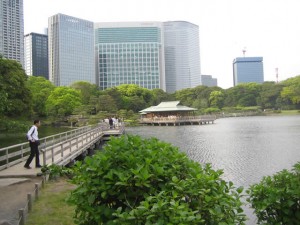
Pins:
x: 276, y: 199
x: 146, y: 181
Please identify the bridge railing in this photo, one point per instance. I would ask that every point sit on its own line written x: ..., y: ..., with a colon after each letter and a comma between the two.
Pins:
x: 65, y: 151
x: 53, y: 145
x: 15, y: 154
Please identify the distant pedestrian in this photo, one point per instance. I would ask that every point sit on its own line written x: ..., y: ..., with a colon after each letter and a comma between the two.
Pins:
x: 32, y: 136
x: 111, y: 123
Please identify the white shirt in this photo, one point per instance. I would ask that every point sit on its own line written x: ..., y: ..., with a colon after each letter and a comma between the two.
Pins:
x: 32, y: 134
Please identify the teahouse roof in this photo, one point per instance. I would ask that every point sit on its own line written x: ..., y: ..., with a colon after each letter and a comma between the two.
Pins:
x: 172, y: 106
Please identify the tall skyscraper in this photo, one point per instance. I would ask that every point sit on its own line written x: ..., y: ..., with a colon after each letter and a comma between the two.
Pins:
x: 248, y: 69
x: 36, y: 55
x: 71, y: 50
x: 130, y: 53
x: 182, y: 55
x: 12, y: 30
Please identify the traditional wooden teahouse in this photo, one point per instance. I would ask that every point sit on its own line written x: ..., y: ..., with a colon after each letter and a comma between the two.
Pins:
x: 172, y: 114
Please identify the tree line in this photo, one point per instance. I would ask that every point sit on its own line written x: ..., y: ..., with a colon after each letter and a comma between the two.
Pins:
x: 23, y: 96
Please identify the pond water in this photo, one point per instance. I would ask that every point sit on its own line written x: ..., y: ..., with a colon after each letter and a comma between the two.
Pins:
x: 245, y: 148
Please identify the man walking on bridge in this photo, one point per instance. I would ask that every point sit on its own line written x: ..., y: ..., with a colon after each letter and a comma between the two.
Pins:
x: 32, y: 136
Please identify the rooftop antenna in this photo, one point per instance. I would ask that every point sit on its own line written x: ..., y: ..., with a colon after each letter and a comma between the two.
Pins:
x: 276, y: 69
x: 244, y: 51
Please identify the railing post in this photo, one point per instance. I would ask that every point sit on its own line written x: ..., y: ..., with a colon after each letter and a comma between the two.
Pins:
x: 36, y: 191
x: 22, y: 154
x: 22, y: 216
x: 29, y: 199
x: 44, y: 158
x: 7, y: 159
x: 52, y: 153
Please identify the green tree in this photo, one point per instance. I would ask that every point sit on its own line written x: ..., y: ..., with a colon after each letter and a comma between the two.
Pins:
x: 137, y: 181
x: 160, y: 96
x: 216, y: 99
x: 186, y: 96
x: 14, y: 94
x: 87, y: 90
x: 291, y: 91
x: 133, y: 90
x: 269, y: 95
x: 107, y: 103
x: 134, y: 103
x: 62, y: 101
x: 116, y: 95
x: 246, y: 94
x: 40, y: 89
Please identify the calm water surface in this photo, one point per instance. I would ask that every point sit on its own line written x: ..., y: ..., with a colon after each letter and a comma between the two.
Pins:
x: 245, y: 148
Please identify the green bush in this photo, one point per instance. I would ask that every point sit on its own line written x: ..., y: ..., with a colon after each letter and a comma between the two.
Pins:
x: 276, y: 199
x: 56, y: 171
x: 145, y: 181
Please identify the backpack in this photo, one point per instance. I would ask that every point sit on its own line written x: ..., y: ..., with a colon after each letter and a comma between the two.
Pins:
x: 27, y: 137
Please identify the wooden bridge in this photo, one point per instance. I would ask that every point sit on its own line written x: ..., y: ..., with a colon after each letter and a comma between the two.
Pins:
x: 59, y: 149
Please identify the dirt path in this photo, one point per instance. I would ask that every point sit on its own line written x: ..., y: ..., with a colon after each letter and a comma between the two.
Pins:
x: 13, y: 197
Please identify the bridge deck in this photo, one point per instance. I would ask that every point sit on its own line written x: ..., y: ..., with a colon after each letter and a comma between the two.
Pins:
x: 57, y: 152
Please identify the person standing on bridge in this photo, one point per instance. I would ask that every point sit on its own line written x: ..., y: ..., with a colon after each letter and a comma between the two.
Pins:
x: 32, y: 136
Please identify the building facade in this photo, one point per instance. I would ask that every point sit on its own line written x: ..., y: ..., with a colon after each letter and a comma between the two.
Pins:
x: 36, y: 55
x: 130, y: 53
x: 12, y: 30
x: 71, y: 50
x: 248, y: 69
x: 209, y: 81
x: 182, y: 55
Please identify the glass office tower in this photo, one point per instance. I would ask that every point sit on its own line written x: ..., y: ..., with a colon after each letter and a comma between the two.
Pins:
x: 130, y: 53
x: 248, y: 69
x: 12, y: 30
x: 182, y: 55
x: 36, y: 55
x: 71, y: 50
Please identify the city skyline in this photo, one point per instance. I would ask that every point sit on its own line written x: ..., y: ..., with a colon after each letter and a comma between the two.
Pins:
x: 263, y: 27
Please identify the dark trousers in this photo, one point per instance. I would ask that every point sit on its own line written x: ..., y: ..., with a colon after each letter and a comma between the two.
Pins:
x: 34, y: 151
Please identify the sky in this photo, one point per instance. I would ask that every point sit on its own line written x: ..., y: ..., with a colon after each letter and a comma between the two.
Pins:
x: 264, y: 28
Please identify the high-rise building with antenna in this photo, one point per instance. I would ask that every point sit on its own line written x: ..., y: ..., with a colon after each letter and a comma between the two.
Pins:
x: 248, y: 69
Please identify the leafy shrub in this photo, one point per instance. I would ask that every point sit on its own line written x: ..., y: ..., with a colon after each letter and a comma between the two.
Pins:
x: 145, y: 181
x: 56, y: 171
x: 276, y: 199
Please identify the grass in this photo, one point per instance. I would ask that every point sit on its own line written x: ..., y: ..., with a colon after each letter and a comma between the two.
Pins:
x: 290, y: 112
x: 282, y: 113
x: 51, y: 208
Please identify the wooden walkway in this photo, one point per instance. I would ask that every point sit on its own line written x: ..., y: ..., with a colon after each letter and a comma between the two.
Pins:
x: 60, y: 149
